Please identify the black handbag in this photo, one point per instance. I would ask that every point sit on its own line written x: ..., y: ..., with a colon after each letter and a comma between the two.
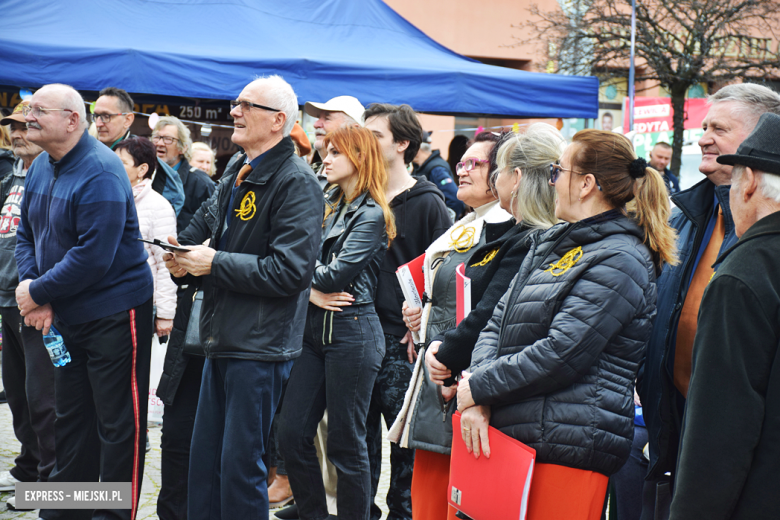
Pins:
x: 192, y: 344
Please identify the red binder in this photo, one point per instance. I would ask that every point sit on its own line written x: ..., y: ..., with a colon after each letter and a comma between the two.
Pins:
x: 412, y: 280
x: 462, y: 294
x: 490, y: 489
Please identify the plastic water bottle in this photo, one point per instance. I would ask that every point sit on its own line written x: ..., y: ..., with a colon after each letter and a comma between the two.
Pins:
x: 58, y: 352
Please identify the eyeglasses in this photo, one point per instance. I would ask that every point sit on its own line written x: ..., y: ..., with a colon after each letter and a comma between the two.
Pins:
x: 164, y: 138
x: 40, y: 111
x: 246, y: 105
x: 556, y: 169
x: 106, y: 118
x: 469, y: 164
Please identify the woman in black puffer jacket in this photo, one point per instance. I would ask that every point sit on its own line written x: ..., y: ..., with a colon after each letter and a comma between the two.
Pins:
x: 555, y: 366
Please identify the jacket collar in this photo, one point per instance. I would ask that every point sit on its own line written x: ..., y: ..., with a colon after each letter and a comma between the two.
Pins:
x: 184, y: 169
x: 333, y: 229
x: 769, y: 225
x: 75, y: 153
x: 591, y: 230
x: 697, y: 203
x: 434, y: 155
x: 271, y: 162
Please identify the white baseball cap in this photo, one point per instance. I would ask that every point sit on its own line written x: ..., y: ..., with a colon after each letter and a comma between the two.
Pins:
x: 347, y: 104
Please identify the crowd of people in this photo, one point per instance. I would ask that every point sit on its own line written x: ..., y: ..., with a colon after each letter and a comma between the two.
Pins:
x: 625, y: 330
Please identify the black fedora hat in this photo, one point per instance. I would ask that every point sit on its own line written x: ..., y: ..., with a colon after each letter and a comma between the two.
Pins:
x: 761, y: 149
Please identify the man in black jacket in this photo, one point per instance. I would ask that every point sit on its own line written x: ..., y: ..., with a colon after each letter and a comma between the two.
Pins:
x: 420, y: 217
x: 729, y: 449
x: 264, y: 223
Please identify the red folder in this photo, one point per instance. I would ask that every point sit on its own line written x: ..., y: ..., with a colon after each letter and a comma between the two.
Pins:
x: 462, y: 293
x: 412, y: 280
x: 490, y: 489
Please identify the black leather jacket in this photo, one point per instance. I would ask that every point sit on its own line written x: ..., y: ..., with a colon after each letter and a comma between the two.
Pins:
x: 256, y: 297
x: 352, y: 249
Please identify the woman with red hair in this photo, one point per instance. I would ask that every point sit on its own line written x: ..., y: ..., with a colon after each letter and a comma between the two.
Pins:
x: 343, y: 344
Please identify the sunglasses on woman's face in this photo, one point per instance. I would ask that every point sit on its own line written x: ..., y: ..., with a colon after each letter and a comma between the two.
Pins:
x: 556, y: 169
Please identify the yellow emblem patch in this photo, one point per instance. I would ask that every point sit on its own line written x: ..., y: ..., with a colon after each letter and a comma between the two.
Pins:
x: 247, y: 209
x: 485, y: 261
x: 565, y: 263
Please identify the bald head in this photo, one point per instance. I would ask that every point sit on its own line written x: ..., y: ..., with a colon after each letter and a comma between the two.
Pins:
x: 69, y: 98
x: 57, y: 119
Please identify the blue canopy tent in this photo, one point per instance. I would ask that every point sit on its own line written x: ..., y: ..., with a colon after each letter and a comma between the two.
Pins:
x: 211, y: 49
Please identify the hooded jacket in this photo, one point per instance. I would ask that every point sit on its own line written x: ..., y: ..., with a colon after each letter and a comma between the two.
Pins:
x: 557, y: 360
x: 420, y: 218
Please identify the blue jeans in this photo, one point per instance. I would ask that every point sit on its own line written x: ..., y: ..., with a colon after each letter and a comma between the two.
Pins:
x: 630, y: 479
x: 342, y: 354
x: 238, y: 398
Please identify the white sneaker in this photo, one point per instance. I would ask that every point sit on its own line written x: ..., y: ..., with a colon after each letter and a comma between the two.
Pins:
x: 7, y: 481
x: 11, y: 504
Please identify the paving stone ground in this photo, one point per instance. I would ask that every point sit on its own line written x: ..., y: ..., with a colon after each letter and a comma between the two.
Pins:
x: 9, y: 448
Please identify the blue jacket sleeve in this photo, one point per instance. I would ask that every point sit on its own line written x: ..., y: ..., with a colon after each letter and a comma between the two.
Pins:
x: 101, y: 211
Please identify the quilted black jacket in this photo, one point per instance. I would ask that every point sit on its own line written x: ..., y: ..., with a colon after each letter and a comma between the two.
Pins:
x: 557, y: 360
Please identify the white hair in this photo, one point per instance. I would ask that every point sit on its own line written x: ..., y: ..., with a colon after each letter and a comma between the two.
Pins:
x: 72, y: 100
x: 769, y: 183
x: 754, y: 100
x: 280, y: 95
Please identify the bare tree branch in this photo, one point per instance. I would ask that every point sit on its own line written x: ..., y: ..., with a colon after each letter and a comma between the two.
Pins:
x: 679, y: 43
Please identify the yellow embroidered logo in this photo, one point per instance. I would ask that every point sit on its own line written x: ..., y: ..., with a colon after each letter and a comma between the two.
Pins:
x: 488, y: 257
x: 566, y: 262
x: 248, y: 208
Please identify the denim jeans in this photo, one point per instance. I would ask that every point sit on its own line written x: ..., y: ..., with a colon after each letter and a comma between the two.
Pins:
x: 628, y: 482
x: 238, y: 399
x: 342, y: 354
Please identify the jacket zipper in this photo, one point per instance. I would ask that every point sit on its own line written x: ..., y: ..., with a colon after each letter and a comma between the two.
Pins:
x: 218, y: 226
x: 48, y: 210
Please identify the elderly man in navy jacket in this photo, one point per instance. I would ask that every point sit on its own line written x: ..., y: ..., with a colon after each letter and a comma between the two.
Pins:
x: 82, y: 268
